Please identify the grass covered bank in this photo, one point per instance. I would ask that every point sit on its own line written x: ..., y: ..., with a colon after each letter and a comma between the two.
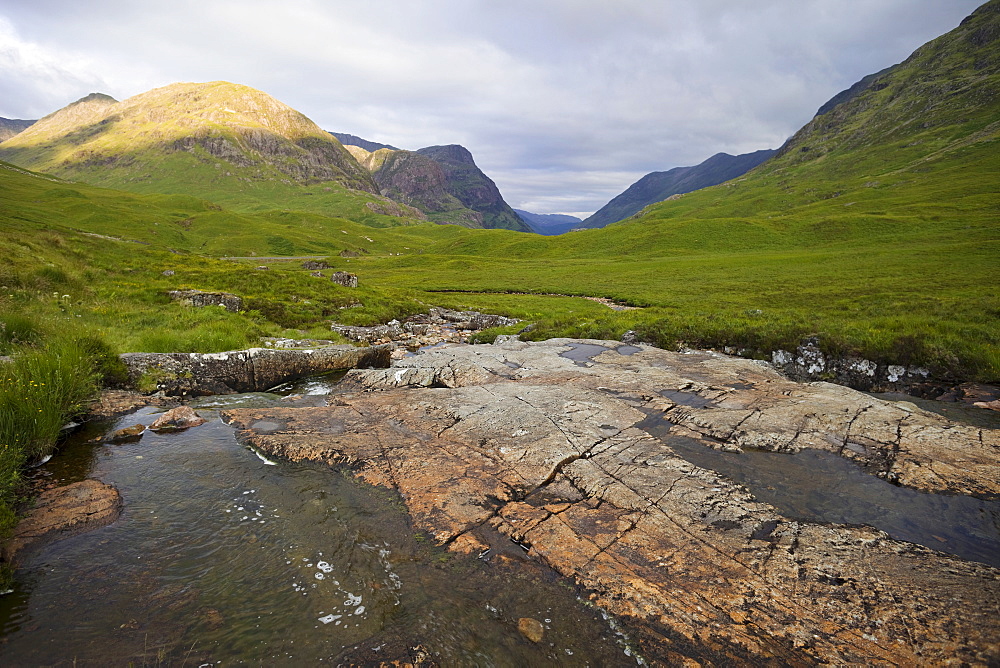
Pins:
x: 46, y: 382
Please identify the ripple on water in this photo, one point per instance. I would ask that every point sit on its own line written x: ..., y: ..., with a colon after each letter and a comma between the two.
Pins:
x: 219, y: 558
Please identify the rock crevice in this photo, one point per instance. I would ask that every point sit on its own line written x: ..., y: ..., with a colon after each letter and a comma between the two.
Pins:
x: 558, y: 458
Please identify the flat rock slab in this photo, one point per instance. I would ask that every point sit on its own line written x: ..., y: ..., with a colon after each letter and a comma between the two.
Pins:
x: 66, y: 511
x: 543, y: 443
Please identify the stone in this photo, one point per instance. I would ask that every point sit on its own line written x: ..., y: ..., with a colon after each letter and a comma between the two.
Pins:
x: 127, y: 434
x: 344, y: 278
x: 315, y: 265
x: 114, y: 403
x: 532, y: 629
x: 199, y: 299
x: 550, y: 446
x: 62, y: 512
x: 182, y: 417
x: 168, y: 272
x: 253, y: 370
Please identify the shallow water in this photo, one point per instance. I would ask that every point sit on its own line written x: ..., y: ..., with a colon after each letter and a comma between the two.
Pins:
x: 220, y: 558
x: 583, y: 353
x: 820, y: 486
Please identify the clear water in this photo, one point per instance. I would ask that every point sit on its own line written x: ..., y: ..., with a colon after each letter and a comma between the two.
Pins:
x: 222, y: 559
x: 820, y: 486
x: 583, y: 353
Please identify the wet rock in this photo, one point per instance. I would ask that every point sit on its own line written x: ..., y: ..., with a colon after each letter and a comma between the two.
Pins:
x: 253, y: 370
x: 182, y: 417
x: 113, y: 403
x: 199, y: 299
x: 532, y: 629
x: 344, y: 278
x: 127, y: 434
x: 65, y: 511
x: 524, y: 441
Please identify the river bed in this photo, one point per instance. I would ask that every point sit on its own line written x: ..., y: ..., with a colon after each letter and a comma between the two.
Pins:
x: 224, y: 558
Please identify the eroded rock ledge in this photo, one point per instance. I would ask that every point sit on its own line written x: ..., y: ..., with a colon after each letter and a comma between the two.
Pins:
x: 253, y: 370
x: 542, y: 443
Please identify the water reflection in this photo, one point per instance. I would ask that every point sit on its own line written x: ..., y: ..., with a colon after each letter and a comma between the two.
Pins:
x: 220, y: 559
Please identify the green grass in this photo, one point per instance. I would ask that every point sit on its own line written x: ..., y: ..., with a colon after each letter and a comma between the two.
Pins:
x: 41, y: 389
x: 875, y: 230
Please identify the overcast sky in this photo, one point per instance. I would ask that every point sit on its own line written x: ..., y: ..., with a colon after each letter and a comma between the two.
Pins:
x: 564, y: 103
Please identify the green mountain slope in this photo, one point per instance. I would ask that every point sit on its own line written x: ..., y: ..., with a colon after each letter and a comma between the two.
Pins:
x: 473, y: 188
x: 228, y: 143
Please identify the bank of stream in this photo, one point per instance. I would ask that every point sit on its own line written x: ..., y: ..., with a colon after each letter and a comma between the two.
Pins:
x: 222, y: 557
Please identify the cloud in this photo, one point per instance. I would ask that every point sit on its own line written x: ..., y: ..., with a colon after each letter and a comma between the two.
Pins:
x: 564, y: 103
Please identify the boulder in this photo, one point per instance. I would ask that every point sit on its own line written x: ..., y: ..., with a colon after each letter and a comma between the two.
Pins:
x: 315, y: 265
x: 176, y: 419
x: 199, y: 299
x: 344, y: 278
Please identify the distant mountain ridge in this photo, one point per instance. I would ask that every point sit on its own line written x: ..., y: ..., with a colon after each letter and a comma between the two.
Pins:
x: 549, y: 224
x: 473, y: 188
x: 12, y: 126
x: 658, y: 186
x: 353, y: 140
x: 418, y: 181
x: 442, y: 181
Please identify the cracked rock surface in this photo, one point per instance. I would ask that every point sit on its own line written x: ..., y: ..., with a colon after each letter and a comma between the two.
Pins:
x: 544, y: 444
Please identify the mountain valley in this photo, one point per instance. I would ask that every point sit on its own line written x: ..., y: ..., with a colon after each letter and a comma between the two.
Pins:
x: 707, y: 313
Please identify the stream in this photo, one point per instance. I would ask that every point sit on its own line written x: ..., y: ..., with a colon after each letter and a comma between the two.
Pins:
x: 224, y: 558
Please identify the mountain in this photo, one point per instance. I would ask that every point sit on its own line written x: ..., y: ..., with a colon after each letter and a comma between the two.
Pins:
x: 549, y: 224
x: 224, y: 142
x: 473, y: 188
x: 852, y: 92
x: 418, y: 181
x: 354, y: 140
x: 12, y: 126
x: 658, y: 186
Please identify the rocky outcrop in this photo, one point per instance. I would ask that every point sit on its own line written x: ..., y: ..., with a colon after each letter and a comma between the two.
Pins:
x: 344, y: 278
x: 315, y: 265
x: 438, y: 325
x: 418, y: 181
x: 199, y: 299
x: 253, y: 370
x: 808, y: 362
x: 549, y: 445
x: 62, y: 512
x: 473, y: 188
